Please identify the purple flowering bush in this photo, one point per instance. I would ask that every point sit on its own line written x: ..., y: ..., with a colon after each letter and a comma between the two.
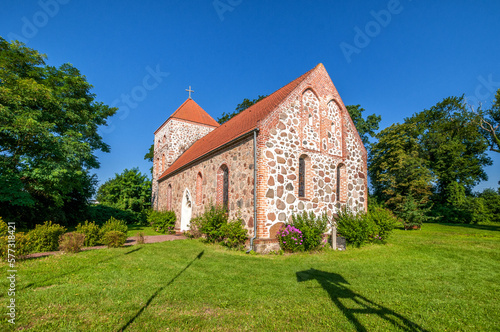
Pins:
x: 290, y: 239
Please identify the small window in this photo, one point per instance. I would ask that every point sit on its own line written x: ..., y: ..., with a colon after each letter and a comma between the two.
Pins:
x: 199, y: 191
x: 169, y: 197
x: 341, y: 183
x: 223, y: 186
x: 163, y: 163
x: 302, y: 177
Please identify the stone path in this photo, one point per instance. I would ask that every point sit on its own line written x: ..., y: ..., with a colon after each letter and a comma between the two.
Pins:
x: 130, y: 242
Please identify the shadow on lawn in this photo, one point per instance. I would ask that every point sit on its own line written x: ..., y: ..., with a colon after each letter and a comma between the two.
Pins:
x: 335, y: 285
x: 79, y: 269
x: 144, y: 307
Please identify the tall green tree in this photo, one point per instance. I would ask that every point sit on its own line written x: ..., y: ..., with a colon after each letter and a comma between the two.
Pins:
x: 48, y: 135
x: 451, y: 144
x: 366, y: 127
x: 129, y: 191
x: 489, y: 122
x: 397, y: 167
x: 246, y: 103
x: 149, y: 156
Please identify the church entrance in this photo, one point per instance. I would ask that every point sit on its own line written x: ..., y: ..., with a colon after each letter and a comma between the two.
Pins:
x: 186, y: 211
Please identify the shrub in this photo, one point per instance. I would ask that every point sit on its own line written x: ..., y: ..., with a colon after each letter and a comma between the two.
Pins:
x: 114, y: 225
x: 210, y: 223
x: 45, y: 237
x: 140, y: 238
x: 92, y: 233
x: 22, y: 248
x: 312, y: 227
x: 235, y: 234
x: 412, y: 213
x: 100, y: 213
x: 290, y: 239
x: 162, y: 221
x: 384, y: 219
x: 114, y: 239
x: 355, y: 228
x: 71, y: 242
x: 4, y: 229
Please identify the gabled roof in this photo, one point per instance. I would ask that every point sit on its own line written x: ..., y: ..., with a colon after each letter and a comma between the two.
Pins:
x: 191, y: 111
x: 241, y: 124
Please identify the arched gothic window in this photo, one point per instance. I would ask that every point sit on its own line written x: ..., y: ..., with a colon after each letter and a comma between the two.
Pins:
x: 341, y: 183
x: 302, y: 177
x: 169, y: 197
x: 199, y: 183
x: 223, y: 186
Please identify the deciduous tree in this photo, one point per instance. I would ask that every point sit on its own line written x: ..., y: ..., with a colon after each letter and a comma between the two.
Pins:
x: 48, y: 135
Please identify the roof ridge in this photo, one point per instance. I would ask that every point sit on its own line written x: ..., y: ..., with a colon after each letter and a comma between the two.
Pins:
x: 242, y: 123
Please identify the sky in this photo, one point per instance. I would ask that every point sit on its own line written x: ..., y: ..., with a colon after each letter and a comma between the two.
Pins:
x: 393, y: 57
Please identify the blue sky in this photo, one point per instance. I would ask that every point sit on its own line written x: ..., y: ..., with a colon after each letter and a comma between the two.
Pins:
x: 394, y: 58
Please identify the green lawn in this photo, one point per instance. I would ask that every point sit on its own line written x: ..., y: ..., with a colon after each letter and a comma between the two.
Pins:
x: 441, y: 278
x: 147, y: 230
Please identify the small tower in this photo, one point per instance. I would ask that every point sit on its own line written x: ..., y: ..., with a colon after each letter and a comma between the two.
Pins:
x: 185, y: 126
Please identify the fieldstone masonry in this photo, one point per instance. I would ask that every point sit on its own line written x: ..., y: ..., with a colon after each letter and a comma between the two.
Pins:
x: 309, y: 123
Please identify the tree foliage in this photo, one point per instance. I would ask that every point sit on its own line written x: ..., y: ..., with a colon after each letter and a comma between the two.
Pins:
x: 489, y: 123
x: 366, y: 127
x: 429, y: 156
x: 246, y: 103
x: 129, y: 191
x: 48, y: 135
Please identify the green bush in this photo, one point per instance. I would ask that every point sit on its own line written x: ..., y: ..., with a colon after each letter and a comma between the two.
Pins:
x: 92, y: 233
x: 4, y: 228
x: 100, y: 213
x: 45, y: 237
x: 210, y: 223
x: 22, y: 248
x: 114, y: 239
x: 355, y: 228
x: 235, y: 234
x: 71, y: 242
x: 491, y: 201
x: 139, y: 237
x: 113, y: 225
x: 384, y: 219
x: 412, y: 213
x: 312, y: 227
x: 162, y: 221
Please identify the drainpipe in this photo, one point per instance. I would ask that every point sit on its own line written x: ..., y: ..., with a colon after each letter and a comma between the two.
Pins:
x: 254, y: 190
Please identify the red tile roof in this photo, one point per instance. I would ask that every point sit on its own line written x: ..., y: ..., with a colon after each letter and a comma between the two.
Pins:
x: 239, y: 125
x: 191, y: 111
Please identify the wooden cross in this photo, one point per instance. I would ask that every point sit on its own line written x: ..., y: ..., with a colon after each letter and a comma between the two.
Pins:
x: 189, y: 90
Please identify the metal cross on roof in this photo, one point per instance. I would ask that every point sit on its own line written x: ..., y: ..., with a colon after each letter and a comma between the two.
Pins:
x: 189, y: 90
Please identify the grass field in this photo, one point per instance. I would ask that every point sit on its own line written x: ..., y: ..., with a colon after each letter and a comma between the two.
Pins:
x: 441, y: 278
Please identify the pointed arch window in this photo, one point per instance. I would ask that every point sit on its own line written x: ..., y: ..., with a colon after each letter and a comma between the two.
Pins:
x: 302, y: 177
x: 341, y: 183
x: 169, y: 197
x: 162, y: 163
x: 199, y: 185
x: 223, y: 186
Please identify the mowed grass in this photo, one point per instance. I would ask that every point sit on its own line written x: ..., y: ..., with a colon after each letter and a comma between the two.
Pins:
x: 441, y: 278
x: 146, y: 230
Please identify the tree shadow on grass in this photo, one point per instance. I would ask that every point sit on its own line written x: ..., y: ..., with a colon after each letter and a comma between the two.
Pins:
x: 34, y: 284
x: 148, y: 302
x: 339, y: 293
x: 494, y: 228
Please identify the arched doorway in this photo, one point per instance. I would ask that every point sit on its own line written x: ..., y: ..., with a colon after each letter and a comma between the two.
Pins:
x: 186, y: 211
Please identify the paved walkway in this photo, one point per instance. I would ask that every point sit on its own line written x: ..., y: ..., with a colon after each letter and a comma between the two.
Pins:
x: 129, y: 242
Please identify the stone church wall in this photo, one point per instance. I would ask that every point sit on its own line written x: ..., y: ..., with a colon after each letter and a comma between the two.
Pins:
x: 171, y: 140
x: 312, y: 124
x: 239, y: 159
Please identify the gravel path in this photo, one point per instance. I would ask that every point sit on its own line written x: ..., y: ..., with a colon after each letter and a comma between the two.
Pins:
x: 130, y: 242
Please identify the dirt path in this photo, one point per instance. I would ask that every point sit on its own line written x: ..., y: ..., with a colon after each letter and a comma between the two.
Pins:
x: 130, y: 242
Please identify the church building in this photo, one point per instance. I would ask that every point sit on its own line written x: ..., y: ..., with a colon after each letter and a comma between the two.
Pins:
x: 295, y: 150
